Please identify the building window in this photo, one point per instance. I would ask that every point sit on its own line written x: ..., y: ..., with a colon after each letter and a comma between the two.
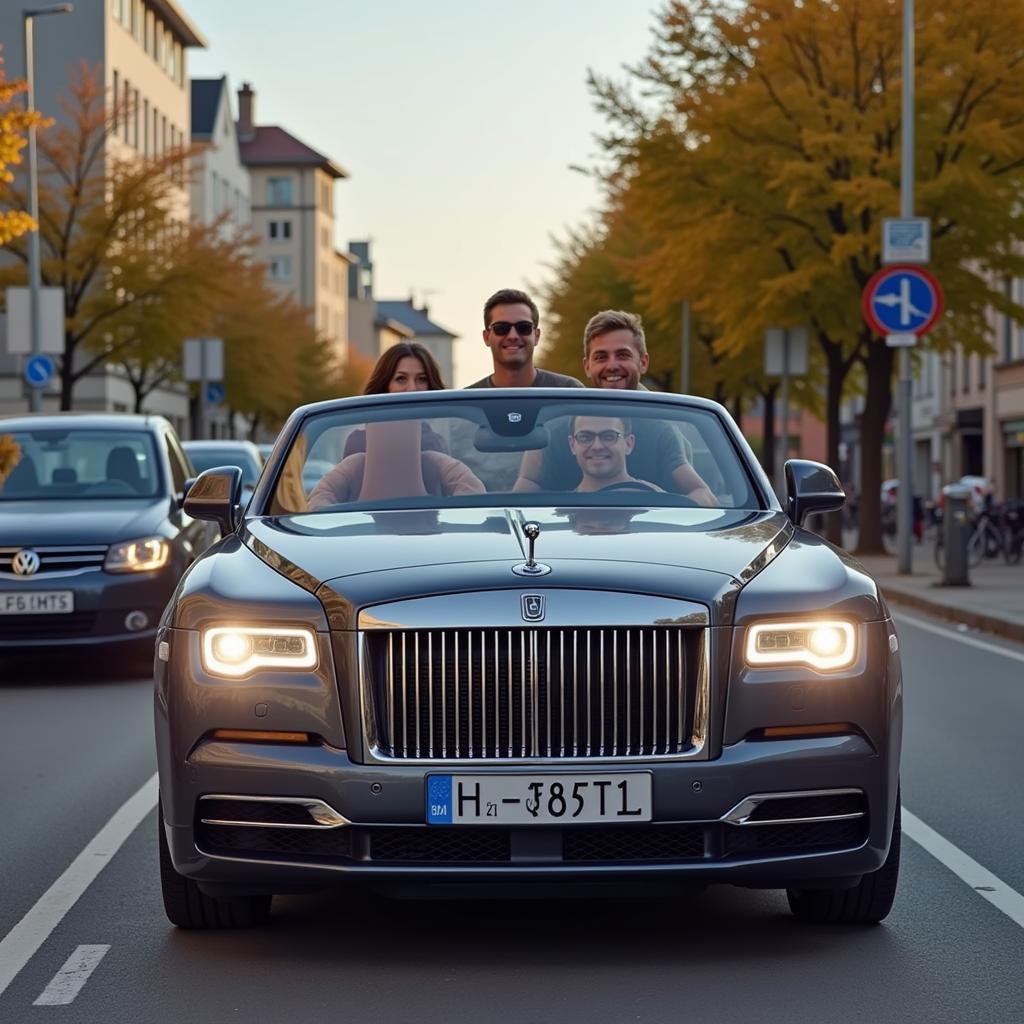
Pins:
x: 145, y: 127
x: 128, y: 113
x: 115, y: 97
x: 323, y: 275
x: 280, y: 229
x: 279, y: 191
x: 281, y: 268
x: 135, y: 118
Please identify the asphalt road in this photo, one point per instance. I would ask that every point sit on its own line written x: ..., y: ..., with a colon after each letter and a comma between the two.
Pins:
x: 73, y: 752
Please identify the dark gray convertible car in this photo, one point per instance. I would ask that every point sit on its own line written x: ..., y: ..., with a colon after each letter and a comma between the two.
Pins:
x: 519, y: 636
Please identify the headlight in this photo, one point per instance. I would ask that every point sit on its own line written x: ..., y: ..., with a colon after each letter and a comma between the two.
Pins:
x: 823, y: 644
x: 236, y: 650
x: 138, y: 555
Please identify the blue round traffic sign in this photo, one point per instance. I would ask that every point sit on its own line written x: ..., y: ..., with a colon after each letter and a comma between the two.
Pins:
x: 902, y: 299
x: 214, y: 393
x: 38, y: 370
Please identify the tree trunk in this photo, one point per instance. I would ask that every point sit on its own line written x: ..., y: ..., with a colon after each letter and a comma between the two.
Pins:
x: 737, y: 410
x: 67, y: 380
x: 768, y: 431
x: 878, y: 401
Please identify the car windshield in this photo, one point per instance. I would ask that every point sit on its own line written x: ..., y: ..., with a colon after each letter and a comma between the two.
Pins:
x: 207, y: 458
x: 84, y: 464
x: 589, y: 450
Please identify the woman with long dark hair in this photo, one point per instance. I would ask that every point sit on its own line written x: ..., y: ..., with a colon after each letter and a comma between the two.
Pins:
x: 407, y: 366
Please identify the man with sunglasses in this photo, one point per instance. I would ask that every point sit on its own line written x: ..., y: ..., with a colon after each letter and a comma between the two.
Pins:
x: 511, y: 332
x: 601, y: 445
x: 615, y: 357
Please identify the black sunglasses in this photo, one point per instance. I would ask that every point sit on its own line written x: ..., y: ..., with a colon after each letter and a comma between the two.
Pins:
x: 522, y: 327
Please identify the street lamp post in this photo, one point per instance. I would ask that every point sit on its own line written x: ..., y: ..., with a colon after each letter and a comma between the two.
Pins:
x: 35, y: 393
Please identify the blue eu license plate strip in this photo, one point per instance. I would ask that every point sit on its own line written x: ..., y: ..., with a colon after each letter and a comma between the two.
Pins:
x: 439, y: 800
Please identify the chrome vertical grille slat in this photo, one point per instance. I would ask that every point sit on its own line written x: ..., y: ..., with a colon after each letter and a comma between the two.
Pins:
x: 502, y: 684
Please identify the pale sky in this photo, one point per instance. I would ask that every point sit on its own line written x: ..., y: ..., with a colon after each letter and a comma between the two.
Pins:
x: 457, y: 121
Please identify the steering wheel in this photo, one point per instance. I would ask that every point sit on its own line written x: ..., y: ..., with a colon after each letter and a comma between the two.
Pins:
x: 630, y: 485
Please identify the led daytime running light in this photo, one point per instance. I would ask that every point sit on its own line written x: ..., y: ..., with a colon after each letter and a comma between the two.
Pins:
x: 823, y: 644
x: 143, y: 555
x: 235, y: 651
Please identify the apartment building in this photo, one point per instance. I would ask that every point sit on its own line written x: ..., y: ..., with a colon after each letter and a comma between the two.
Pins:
x: 140, y: 48
x: 219, y: 186
x: 292, y: 187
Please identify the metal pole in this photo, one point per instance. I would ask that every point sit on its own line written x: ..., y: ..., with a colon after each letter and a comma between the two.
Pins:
x: 905, y: 495
x: 684, y: 373
x: 783, y: 442
x: 204, y: 412
x: 35, y: 393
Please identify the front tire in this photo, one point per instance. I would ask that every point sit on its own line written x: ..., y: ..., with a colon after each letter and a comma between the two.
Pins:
x: 187, y: 907
x: 868, y: 902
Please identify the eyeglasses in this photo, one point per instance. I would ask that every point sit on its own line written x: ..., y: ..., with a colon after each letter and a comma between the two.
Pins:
x: 588, y: 437
x: 522, y: 327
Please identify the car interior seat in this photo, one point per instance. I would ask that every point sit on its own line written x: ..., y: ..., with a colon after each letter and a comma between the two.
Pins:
x: 123, y: 465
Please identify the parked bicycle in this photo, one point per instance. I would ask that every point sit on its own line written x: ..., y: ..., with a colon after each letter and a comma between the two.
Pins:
x: 996, y: 530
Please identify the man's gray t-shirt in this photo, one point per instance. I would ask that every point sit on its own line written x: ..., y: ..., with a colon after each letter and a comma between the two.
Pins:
x: 544, y: 379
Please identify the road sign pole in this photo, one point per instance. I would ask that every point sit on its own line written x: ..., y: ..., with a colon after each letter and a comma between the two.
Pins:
x: 782, y: 444
x: 905, y: 496
x: 204, y: 405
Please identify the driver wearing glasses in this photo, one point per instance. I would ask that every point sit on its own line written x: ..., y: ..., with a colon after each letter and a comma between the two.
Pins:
x: 601, y: 445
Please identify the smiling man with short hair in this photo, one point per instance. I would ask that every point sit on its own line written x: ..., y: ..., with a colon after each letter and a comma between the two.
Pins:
x: 511, y: 332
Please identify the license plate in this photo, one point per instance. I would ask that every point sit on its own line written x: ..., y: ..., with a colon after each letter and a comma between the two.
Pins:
x: 538, y: 799
x: 37, y: 602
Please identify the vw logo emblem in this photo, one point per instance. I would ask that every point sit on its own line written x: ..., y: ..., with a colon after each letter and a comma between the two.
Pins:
x: 533, y: 607
x: 25, y: 562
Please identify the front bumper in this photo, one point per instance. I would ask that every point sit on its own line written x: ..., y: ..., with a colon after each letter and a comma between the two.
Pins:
x: 385, y: 808
x: 102, y: 601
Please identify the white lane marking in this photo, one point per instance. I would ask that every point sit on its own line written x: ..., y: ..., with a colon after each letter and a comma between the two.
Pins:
x: 68, y: 981
x: 966, y: 868
x: 952, y: 634
x: 19, y: 945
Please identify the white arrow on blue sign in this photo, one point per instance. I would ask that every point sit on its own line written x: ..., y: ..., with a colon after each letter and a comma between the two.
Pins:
x: 39, y: 370
x: 902, y: 299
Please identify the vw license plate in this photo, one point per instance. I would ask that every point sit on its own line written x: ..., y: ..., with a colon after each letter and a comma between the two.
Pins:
x: 37, y: 602
x: 538, y: 799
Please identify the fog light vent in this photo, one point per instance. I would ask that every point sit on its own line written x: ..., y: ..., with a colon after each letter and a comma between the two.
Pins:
x: 135, y: 621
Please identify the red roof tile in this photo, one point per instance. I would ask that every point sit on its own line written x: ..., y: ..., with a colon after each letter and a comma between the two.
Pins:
x: 273, y: 145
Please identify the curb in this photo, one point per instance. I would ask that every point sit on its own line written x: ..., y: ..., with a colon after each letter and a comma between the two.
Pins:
x: 976, y: 620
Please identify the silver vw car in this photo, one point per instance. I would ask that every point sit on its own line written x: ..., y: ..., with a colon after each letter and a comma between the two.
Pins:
x: 514, y: 636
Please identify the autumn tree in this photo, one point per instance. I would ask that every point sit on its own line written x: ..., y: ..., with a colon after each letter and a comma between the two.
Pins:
x: 114, y: 236
x: 15, y: 122
x: 758, y: 144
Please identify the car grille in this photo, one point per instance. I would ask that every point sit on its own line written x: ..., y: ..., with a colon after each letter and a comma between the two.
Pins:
x: 486, y: 694
x: 52, y: 559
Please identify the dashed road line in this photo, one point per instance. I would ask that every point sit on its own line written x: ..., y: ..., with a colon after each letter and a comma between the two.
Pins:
x: 70, y: 979
x: 19, y: 945
x: 954, y: 634
x: 966, y: 868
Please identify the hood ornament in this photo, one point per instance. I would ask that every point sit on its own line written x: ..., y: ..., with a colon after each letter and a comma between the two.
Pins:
x: 531, y: 567
x: 25, y: 562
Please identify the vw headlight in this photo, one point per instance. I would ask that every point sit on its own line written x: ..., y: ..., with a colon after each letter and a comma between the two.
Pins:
x: 236, y: 651
x: 824, y: 644
x: 142, y: 555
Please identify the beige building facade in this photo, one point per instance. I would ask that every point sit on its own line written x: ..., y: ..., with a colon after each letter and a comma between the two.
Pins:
x: 293, y: 218
x: 139, y: 48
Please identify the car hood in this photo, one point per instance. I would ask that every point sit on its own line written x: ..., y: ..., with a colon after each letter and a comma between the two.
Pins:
x: 39, y: 523
x: 315, y: 549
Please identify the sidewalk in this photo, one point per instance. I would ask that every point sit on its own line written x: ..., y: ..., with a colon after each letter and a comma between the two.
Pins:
x: 994, y: 602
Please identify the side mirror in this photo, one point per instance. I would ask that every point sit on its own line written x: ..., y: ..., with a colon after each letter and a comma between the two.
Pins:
x: 214, y: 497
x: 186, y: 487
x: 811, y: 487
